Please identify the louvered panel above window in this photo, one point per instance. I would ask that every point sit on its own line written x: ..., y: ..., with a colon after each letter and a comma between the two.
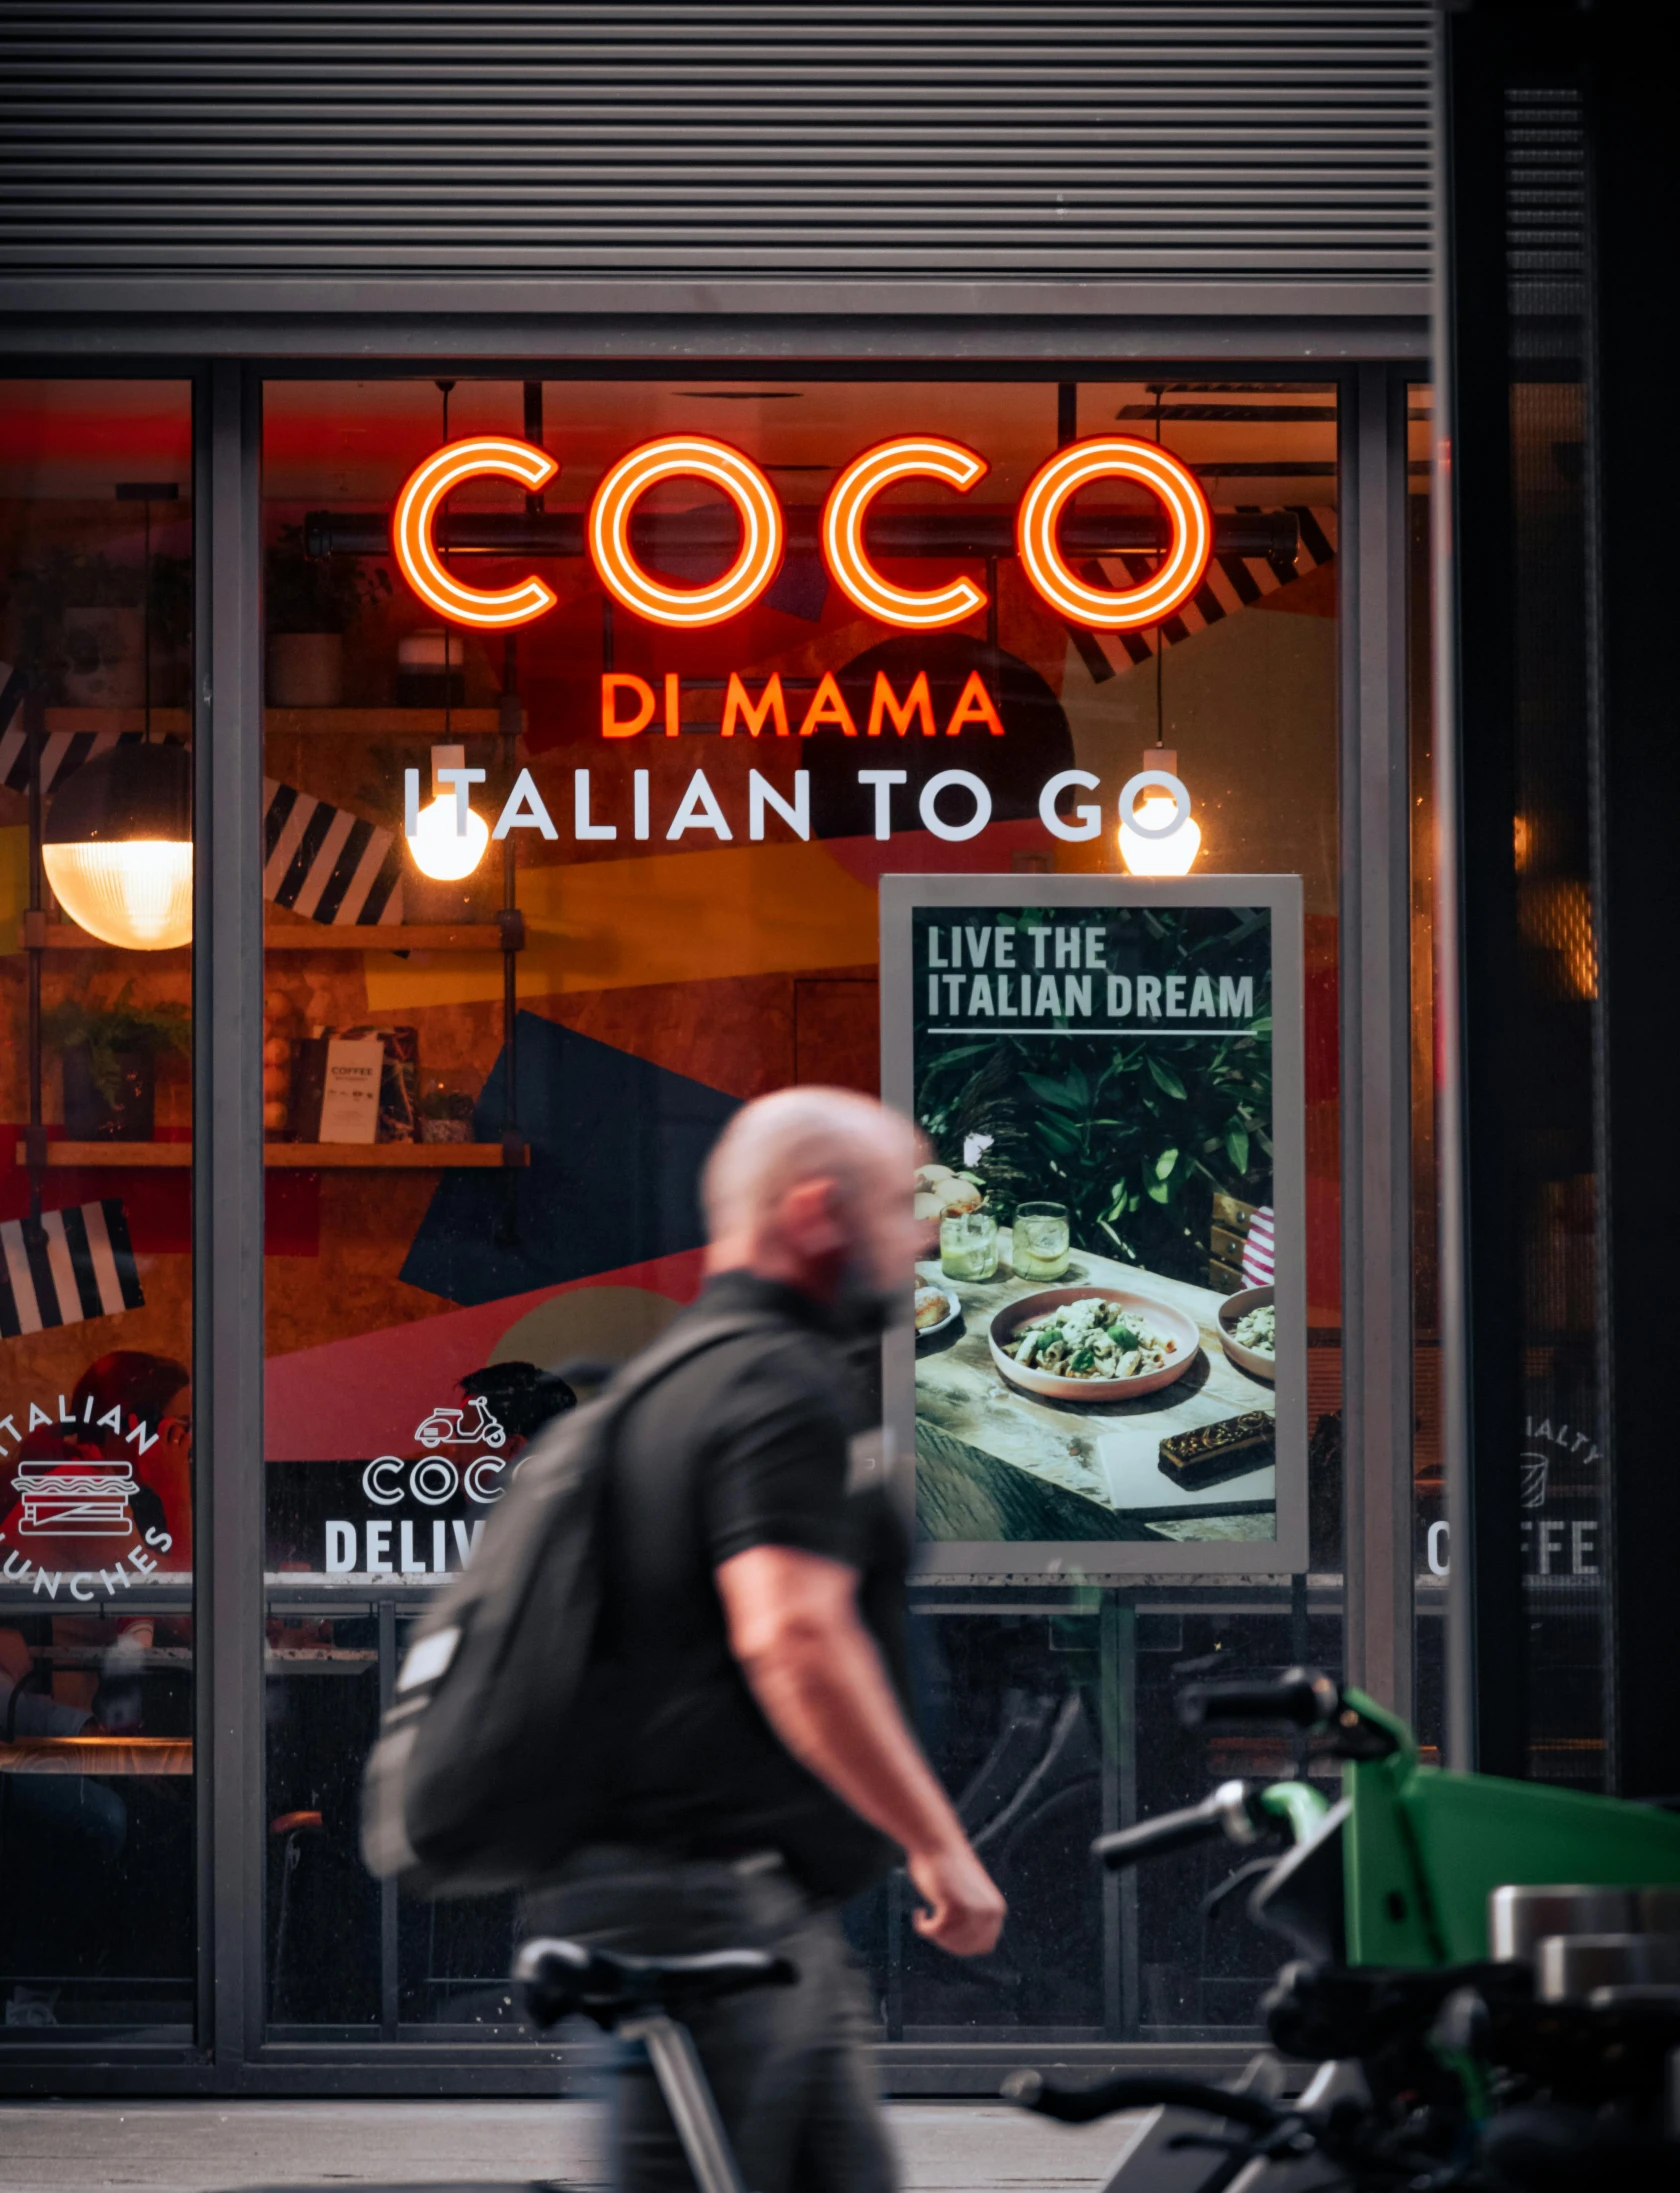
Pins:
x: 370, y: 137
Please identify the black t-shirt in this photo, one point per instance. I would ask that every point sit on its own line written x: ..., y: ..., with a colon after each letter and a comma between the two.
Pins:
x: 755, y: 1442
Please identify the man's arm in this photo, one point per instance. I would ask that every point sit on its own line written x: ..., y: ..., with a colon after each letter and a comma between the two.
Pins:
x: 814, y: 1669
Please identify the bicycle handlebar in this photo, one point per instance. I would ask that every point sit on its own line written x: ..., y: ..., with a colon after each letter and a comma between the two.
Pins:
x: 1137, y: 2090
x: 1300, y: 1696
x: 1226, y: 1812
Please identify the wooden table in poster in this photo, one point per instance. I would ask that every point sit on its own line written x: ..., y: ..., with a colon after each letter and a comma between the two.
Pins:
x: 996, y: 1463
x: 99, y: 1755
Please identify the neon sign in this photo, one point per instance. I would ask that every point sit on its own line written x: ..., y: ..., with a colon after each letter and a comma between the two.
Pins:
x: 681, y: 457
x: 844, y: 522
x: 488, y: 456
x: 1108, y: 458
x: 842, y: 533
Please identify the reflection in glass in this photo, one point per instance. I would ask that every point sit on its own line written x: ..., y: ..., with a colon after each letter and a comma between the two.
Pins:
x: 681, y: 914
x: 97, y: 1818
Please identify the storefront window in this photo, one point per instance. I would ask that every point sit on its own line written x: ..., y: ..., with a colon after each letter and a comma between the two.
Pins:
x: 97, y: 1825
x: 555, y: 884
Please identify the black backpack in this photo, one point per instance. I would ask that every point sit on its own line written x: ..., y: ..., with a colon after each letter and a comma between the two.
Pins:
x: 489, y: 1761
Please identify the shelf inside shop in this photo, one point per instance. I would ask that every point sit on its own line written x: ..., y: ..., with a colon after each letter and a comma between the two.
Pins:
x: 325, y: 1157
x: 174, y: 723
x: 320, y: 936
x: 385, y: 723
x: 390, y: 936
x: 349, y: 723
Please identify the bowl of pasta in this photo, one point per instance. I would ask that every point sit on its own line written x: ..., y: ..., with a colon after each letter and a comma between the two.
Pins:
x: 1092, y: 1343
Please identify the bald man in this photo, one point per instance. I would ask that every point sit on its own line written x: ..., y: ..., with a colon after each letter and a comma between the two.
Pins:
x: 755, y: 1580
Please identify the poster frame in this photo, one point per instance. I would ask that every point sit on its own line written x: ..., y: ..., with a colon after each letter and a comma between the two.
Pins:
x: 1031, y: 1561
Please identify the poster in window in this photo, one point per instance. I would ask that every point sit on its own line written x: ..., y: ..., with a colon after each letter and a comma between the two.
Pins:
x: 1108, y: 1371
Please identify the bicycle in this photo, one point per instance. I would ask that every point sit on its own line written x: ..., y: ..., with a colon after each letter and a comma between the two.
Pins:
x: 1429, y: 2064
x: 1438, y: 2065
x: 642, y: 1999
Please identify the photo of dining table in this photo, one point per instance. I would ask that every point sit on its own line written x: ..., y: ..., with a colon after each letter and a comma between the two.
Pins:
x: 996, y: 1462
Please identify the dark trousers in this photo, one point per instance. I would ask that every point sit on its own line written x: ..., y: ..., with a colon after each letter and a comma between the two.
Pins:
x: 791, y: 2068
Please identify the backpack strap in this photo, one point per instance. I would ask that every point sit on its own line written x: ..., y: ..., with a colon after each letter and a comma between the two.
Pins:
x: 674, y: 1348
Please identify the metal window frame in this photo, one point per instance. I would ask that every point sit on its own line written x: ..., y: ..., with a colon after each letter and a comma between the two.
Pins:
x: 228, y: 360
x: 1376, y: 1039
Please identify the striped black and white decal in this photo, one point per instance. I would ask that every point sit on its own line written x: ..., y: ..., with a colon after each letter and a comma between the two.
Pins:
x: 62, y: 754
x: 1229, y: 584
x: 79, y: 1265
x: 325, y: 863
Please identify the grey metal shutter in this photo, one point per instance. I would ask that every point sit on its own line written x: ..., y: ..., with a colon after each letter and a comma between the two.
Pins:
x: 375, y: 137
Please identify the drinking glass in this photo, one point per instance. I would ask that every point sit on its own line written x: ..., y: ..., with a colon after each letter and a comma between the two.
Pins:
x: 968, y: 1245
x: 1040, y: 1240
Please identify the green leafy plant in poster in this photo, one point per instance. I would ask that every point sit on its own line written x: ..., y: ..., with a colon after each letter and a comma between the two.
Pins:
x: 1136, y: 1134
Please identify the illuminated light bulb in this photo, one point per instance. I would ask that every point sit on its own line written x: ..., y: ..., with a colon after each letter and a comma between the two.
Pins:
x: 437, y: 845
x: 138, y: 894
x: 1158, y: 834
x: 117, y: 846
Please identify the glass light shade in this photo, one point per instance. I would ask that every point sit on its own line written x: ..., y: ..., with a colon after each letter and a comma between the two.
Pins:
x: 117, y: 845
x: 135, y: 892
x: 439, y: 850
x: 1169, y: 856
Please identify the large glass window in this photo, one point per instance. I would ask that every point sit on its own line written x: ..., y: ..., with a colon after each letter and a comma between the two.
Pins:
x: 493, y: 1062
x: 96, y: 1416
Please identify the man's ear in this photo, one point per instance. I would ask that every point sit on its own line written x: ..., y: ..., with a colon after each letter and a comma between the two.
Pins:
x: 811, y: 1219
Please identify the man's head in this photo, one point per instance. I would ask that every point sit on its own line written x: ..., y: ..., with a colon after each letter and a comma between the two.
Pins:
x: 813, y: 1186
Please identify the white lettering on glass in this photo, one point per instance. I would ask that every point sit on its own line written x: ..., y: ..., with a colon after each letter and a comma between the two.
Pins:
x: 928, y: 805
x: 883, y: 781
x: 1085, y: 822
x: 524, y: 809
x: 761, y: 795
x: 581, y: 825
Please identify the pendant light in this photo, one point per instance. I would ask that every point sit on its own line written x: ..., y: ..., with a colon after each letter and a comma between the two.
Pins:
x: 447, y: 839
x: 117, y: 843
x: 117, y: 846
x: 1158, y: 834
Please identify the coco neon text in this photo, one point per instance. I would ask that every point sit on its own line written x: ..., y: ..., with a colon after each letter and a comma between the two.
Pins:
x: 947, y: 465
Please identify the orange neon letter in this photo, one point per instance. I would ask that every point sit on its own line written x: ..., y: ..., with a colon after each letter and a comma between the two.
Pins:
x: 827, y: 706
x: 974, y: 705
x: 683, y: 457
x: 738, y: 707
x: 885, y: 702
x: 614, y: 726
x: 919, y: 457
x: 1115, y: 457
x: 486, y: 455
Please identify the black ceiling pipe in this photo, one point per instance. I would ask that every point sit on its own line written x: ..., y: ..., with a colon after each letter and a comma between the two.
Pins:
x: 1272, y: 534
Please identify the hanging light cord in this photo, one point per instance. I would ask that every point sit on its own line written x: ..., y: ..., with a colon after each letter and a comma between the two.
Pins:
x: 448, y: 635
x: 146, y: 620
x: 1160, y: 629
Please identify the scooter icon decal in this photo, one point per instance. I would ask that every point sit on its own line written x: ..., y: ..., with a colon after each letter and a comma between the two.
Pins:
x: 462, y: 1428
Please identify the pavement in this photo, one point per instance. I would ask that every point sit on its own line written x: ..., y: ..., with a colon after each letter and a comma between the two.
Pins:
x: 215, y: 2147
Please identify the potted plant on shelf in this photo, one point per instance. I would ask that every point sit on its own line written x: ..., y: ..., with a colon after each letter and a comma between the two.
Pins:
x: 310, y: 602
x: 109, y: 1054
